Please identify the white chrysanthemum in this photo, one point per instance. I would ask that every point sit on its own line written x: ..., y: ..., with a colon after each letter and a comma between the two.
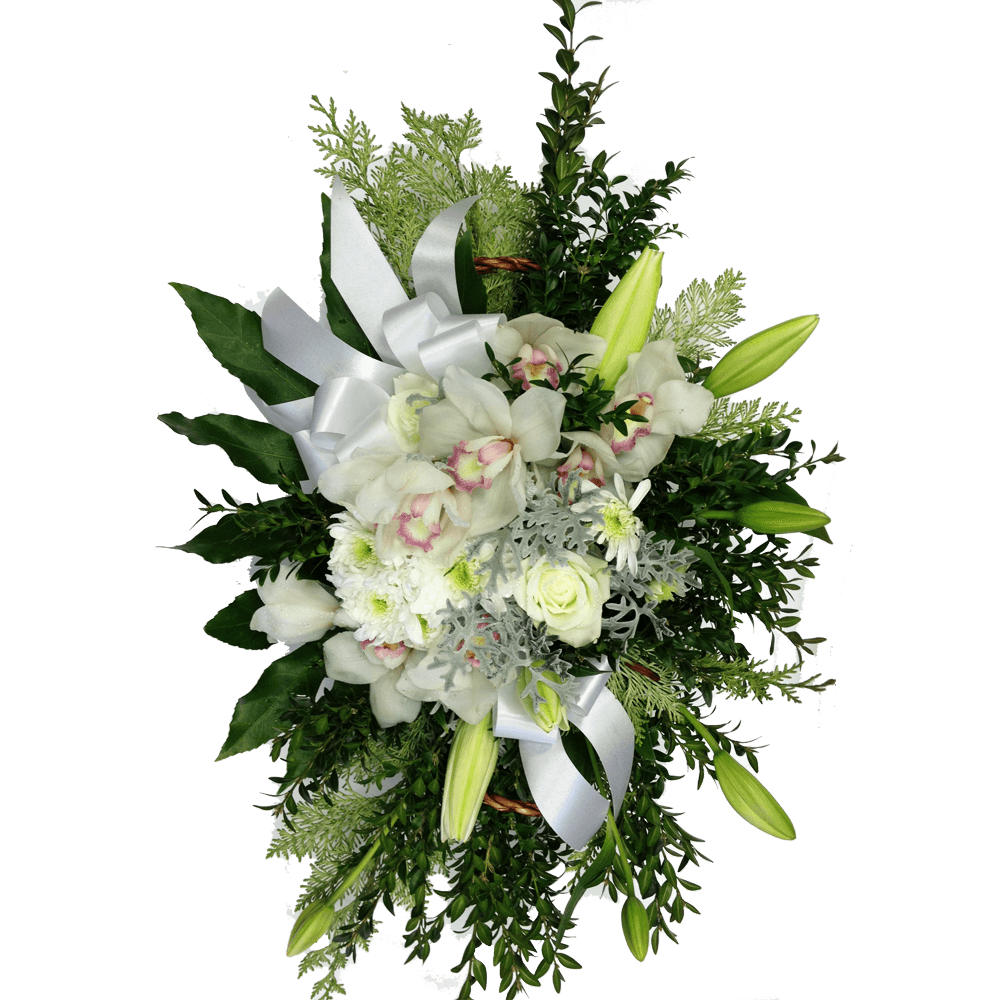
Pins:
x: 353, y: 558
x: 621, y: 528
x: 379, y: 605
x: 428, y: 587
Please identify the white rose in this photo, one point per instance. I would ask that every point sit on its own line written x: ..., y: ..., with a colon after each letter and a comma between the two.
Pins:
x: 568, y: 598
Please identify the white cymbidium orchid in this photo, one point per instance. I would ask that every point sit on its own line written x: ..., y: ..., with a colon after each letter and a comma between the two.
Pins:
x: 537, y: 347
x: 296, y: 611
x: 467, y: 691
x: 620, y: 528
x: 379, y: 666
x: 669, y: 403
x: 416, y: 507
x: 487, y: 442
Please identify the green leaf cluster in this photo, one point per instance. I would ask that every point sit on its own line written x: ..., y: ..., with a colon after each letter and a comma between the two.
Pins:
x: 590, y: 226
x: 292, y: 528
x: 404, y: 189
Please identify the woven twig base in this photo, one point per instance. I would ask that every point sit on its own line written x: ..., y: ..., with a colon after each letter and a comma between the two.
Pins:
x: 501, y: 804
x: 487, y: 265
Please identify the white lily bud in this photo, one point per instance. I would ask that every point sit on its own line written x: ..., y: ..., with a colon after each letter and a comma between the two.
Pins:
x: 471, y: 762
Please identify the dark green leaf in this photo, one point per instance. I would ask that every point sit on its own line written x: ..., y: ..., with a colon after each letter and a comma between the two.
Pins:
x: 221, y: 543
x: 471, y: 290
x: 264, y: 451
x: 232, y: 623
x: 233, y: 335
x: 255, y: 718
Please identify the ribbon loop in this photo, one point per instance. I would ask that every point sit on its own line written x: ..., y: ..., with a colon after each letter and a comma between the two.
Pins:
x: 423, y: 335
x: 570, y: 805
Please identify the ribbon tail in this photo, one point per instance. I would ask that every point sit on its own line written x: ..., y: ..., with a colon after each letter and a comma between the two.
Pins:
x: 612, y: 735
x: 570, y: 805
x: 295, y: 418
x: 362, y: 275
x: 433, y: 261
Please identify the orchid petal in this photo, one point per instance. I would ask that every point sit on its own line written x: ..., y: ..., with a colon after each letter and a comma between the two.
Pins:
x: 388, y: 704
x: 536, y: 417
x: 688, y: 405
x: 346, y: 662
x: 481, y: 403
x: 442, y: 426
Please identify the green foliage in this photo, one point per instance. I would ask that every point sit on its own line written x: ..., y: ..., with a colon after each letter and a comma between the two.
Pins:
x: 418, y: 178
x: 267, y: 453
x: 590, y: 228
x: 256, y: 716
x: 233, y: 335
x: 232, y: 623
x: 730, y: 420
x: 292, y: 528
x: 701, y: 317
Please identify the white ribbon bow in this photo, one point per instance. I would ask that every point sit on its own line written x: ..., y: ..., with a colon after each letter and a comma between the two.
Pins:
x: 569, y: 803
x: 422, y: 335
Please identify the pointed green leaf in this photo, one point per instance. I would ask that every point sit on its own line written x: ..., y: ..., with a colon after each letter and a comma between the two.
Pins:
x: 233, y: 335
x: 261, y: 449
x: 223, y: 542
x: 471, y: 290
x: 750, y: 798
x: 255, y: 718
x: 338, y: 314
x: 232, y: 623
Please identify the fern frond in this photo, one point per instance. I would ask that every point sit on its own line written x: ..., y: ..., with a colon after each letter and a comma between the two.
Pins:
x: 701, y: 316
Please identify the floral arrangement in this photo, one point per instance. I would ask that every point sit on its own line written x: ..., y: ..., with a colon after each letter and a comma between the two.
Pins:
x: 520, y: 521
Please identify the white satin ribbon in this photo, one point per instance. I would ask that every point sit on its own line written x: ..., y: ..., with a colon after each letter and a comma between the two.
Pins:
x: 422, y: 335
x: 569, y: 804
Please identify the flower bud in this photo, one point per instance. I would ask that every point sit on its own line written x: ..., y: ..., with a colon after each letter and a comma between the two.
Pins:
x: 314, y: 921
x: 550, y: 710
x: 660, y: 590
x: 471, y: 762
x: 750, y: 798
x: 625, y: 318
x: 635, y: 926
x: 752, y: 360
x: 772, y: 517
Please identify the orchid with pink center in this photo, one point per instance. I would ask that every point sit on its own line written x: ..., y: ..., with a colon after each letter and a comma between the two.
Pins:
x: 537, y: 347
x: 416, y: 506
x: 668, y: 404
x: 534, y: 365
x: 378, y: 665
x: 487, y: 442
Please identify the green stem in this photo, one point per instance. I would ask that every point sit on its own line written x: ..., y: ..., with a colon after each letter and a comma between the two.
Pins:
x: 702, y: 731
x: 722, y: 515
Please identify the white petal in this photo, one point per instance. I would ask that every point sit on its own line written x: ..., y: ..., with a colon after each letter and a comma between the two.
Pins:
x: 388, y: 704
x: 345, y: 661
x: 497, y: 506
x: 569, y: 345
x: 536, y: 417
x: 657, y: 363
x: 342, y: 482
x: 471, y: 702
x: 481, y: 403
x: 688, y: 405
x: 640, y: 491
x: 442, y: 426
x: 291, y: 623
